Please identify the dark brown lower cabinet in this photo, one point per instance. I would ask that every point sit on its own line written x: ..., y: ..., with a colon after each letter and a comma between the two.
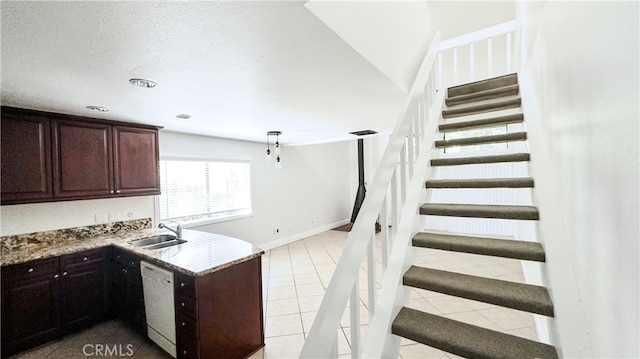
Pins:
x: 219, y: 315
x: 84, y: 288
x: 126, y: 293
x: 44, y: 299
x: 30, y: 305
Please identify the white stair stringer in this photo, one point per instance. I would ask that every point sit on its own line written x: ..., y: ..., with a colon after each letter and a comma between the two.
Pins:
x: 380, y: 342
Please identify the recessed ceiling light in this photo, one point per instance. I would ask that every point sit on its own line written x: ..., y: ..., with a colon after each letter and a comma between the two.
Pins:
x: 183, y: 116
x: 98, y: 108
x: 143, y: 83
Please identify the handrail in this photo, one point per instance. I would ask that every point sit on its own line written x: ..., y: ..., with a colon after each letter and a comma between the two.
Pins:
x: 406, y: 138
x: 390, y: 298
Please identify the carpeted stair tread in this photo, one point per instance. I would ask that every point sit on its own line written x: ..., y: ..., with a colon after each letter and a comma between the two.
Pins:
x: 485, y: 122
x: 482, y: 85
x: 472, y: 109
x: 477, y: 140
x: 531, y: 251
x: 483, y: 95
x: 455, y: 161
x: 466, y: 340
x: 518, y: 182
x: 480, y: 211
x: 525, y: 297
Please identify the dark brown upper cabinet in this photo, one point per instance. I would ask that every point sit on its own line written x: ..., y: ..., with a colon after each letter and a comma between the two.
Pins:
x: 25, y: 145
x: 53, y: 157
x: 82, y: 154
x: 135, y: 157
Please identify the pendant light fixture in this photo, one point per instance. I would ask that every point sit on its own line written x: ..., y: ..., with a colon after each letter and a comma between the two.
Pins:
x: 267, y: 156
x: 276, y: 148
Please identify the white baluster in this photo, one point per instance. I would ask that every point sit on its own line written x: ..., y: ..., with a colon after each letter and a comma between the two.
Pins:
x: 455, y: 65
x: 334, y: 347
x: 490, y: 56
x: 509, y: 53
x: 439, y: 69
x: 384, y: 238
x: 394, y: 201
x: 418, y: 123
x: 354, y: 303
x: 403, y: 174
x: 411, y: 150
x: 371, y: 274
x: 472, y: 66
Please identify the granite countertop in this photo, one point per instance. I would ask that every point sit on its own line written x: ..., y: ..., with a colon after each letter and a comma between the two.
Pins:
x: 203, y: 252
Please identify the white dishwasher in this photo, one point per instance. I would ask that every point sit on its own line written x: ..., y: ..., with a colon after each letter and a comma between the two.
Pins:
x: 157, y: 283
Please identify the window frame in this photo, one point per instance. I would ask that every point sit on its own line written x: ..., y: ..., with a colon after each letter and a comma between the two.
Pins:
x: 210, y: 158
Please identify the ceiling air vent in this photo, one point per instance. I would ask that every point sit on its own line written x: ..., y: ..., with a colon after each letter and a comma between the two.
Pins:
x: 363, y: 132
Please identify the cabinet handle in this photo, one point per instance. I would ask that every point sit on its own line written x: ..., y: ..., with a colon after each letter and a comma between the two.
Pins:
x: 182, y: 304
x: 30, y: 270
x: 118, y: 191
x: 85, y: 259
x: 64, y: 273
x: 184, y: 324
x: 184, y: 352
x: 182, y: 284
x: 56, y: 276
x: 111, y: 192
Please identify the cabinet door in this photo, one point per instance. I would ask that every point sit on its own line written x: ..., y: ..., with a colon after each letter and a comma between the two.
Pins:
x: 84, y: 296
x: 29, y: 313
x: 81, y: 159
x: 26, y: 157
x: 135, y: 157
x: 126, y: 292
x: 136, y: 297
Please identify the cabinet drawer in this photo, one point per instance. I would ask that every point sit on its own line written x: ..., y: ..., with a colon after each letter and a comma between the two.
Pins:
x: 186, y: 347
x: 29, y: 270
x: 186, y: 305
x: 185, y: 285
x: 186, y: 325
x: 84, y: 258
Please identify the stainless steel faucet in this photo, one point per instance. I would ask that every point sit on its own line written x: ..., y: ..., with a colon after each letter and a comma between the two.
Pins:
x: 177, y: 231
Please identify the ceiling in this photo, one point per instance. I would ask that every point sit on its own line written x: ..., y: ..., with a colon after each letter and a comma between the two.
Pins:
x: 238, y: 68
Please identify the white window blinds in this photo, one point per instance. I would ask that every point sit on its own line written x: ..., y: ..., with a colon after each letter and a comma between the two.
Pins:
x: 194, y: 190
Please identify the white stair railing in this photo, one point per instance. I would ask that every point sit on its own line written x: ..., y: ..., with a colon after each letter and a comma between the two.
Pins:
x: 393, y: 198
x: 453, y: 50
x: 403, y: 164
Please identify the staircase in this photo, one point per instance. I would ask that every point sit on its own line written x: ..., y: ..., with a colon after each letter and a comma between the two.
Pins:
x: 469, y: 341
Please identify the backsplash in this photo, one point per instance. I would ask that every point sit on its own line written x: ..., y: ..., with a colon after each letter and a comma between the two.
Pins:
x: 77, y: 233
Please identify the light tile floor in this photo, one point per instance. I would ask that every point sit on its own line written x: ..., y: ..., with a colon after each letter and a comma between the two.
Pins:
x: 111, y: 339
x: 295, y: 277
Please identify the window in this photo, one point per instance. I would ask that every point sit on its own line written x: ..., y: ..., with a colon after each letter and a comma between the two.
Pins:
x: 201, y: 190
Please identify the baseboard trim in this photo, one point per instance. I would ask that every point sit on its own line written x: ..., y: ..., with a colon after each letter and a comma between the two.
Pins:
x: 298, y: 236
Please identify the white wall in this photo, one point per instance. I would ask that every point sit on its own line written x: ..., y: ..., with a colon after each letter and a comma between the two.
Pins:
x: 393, y: 36
x: 583, y: 119
x: 311, y: 193
x: 38, y: 217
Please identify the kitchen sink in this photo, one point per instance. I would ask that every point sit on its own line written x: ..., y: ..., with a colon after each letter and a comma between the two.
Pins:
x: 157, y: 242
